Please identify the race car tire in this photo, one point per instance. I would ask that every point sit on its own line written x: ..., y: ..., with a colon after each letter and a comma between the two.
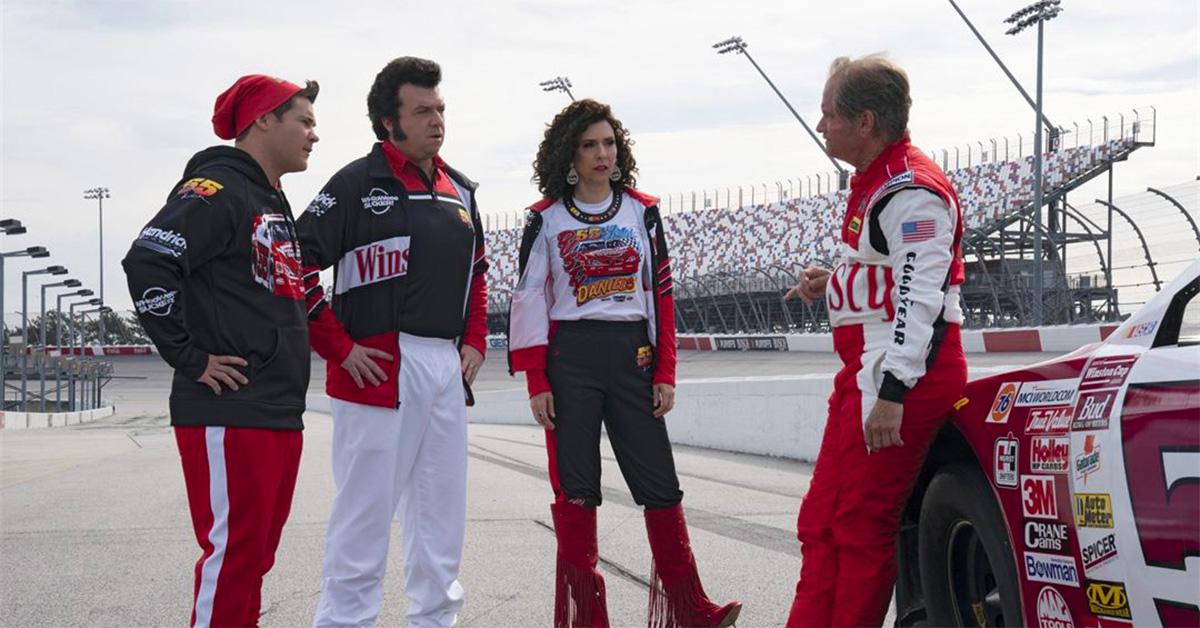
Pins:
x: 968, y: 575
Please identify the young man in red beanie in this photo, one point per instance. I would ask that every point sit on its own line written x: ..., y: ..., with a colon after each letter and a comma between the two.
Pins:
x: 404, y: 336
x: 215, y: 278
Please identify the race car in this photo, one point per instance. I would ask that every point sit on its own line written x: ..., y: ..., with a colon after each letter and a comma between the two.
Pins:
x: 611, y: 261
x: 1067, y: 493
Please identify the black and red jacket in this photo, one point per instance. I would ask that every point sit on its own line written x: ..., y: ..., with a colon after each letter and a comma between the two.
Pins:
x: 217, y: 271
x: 408, y: 257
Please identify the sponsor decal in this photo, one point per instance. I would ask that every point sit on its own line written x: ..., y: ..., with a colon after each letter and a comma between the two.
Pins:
x: 752, y: 343
x: 1087, y: 462
x: 497, y: 342
x: 1108, y: 599
x: 1092, y: 410
x: 645, y: 356
x: 903, y: 289
x: 1038, y: 498
x: 320, y: 204
x: 1049, y: 454
x: 199, y: 187
x: 1098, y: 552
x: 1040, y: 535
x: 156, y: 301
x: 1142, y: 329
x: 1005, y: 459
x: 1093, y: 510
x: 601, y: 262
x: 1050, y: 568
x: 1003, y: 404
x: 855, y: 224
x: 465, y: 218
x: 1052, y: 610
x: 163, y: 241
x: 372, y: 263
x: 1055, y: 420
x: 1107, y: 372
x: 961, y: 403
x: 899, y: 180
x: 276, y: 263
x: 379, y: 201
x: 1052, y: 392
x: 917, y: 230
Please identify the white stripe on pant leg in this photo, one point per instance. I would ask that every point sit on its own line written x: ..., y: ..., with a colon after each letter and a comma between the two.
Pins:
x: 218, y: 535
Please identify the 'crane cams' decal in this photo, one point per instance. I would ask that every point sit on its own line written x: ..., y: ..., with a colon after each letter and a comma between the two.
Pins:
x: 601, y: 262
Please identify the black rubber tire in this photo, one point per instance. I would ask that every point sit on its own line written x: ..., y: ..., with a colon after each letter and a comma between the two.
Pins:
x: 961, y: 523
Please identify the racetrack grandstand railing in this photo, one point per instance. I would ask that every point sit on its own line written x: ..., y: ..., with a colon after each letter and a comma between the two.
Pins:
x: 733, y: 265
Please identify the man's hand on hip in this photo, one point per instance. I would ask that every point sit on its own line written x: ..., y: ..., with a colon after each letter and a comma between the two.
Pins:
x: 220, y: 371
x: 362, y: 368
x: 472, y: 359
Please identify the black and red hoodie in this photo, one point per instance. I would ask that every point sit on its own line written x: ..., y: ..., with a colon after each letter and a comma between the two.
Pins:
x: 407, y: 252
x: 217, y: 271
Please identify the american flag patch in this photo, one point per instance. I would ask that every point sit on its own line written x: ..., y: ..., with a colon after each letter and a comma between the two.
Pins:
x: 917, y: 230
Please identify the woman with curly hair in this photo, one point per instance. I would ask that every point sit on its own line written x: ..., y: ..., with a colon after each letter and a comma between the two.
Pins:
x: 593, y: 327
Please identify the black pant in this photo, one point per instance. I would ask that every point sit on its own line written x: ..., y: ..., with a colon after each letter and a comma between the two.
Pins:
x: 595, y: 375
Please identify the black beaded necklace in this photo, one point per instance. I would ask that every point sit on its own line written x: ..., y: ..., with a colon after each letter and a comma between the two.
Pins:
x: 594, y: 219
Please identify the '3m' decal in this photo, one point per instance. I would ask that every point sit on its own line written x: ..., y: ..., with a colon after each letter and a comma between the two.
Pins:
x: 1162, y: 461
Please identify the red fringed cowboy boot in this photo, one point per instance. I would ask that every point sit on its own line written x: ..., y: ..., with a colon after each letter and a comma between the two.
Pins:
x: 677, y: 598
x: 579, y: 592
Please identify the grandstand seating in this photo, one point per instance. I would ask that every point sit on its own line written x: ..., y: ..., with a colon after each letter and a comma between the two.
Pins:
x: 799, y: 231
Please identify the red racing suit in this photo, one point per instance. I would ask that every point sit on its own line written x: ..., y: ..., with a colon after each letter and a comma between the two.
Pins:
x: 894, y: 306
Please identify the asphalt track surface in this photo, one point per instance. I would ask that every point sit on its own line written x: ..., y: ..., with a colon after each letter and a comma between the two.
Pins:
x: 94, y: 529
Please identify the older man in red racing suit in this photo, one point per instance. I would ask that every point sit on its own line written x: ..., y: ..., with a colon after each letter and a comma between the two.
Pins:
x: 894, y: 307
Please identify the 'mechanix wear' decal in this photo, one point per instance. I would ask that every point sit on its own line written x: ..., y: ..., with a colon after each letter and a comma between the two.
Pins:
x: 162, y: 241
x: 156, y: 301
x: 372, y: 263
x: 601, y: 262
x: 276, y: 264
x: 1108, y: 599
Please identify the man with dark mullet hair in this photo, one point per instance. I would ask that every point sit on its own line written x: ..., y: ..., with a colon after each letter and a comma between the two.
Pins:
x: 403, y: 339
x: 215, y: 278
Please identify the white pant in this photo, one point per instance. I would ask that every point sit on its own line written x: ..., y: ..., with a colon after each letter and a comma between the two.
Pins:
x: 412, y: 462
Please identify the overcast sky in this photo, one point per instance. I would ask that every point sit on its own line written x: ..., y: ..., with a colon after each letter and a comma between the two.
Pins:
x: 119, y: 93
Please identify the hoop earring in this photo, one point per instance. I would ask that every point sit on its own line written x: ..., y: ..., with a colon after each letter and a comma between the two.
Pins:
x: 616, y: 174
x: 572, y: 176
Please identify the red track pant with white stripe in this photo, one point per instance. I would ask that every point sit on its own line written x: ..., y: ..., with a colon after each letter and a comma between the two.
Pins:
x: 851, y: 514
x: 239, y: 487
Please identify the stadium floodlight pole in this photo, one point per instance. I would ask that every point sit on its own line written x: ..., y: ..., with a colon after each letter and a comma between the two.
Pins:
x: 99, y: 194
x: 13, y: 227
x: 1037, y: 13
x: 738, y: 45
x: 49, y: 270
x: 74, y: 328
x: 58, y: 327
x: 69, y: 283
x: 996, y: 58
x: 558, y: 84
